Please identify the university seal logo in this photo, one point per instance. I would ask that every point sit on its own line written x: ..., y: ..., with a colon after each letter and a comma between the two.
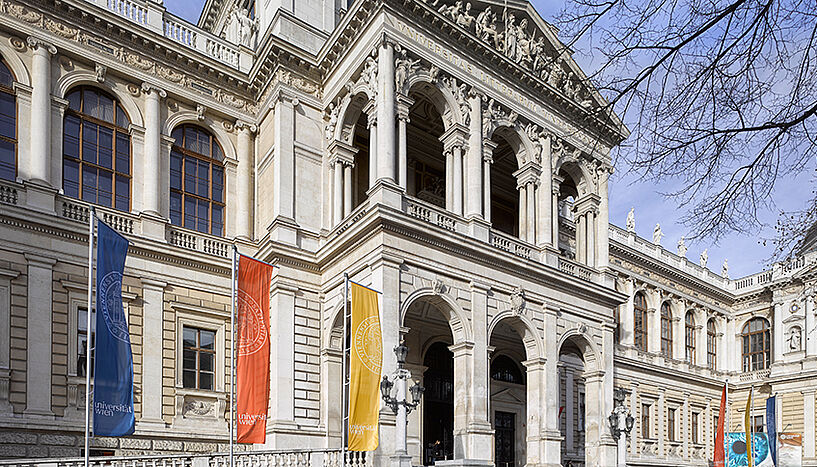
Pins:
x: 252, y: 334
x: 367, y: 344
x: 110, y: 302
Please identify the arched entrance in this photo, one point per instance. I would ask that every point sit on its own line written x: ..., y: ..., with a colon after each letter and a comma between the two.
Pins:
x: 438, y: 404
x: 504, y: 194
x: 424, y: 150
x: 580, y: 390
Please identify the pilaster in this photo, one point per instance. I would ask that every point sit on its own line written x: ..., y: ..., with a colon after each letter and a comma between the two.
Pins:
x: 39, y: 335
x: 244, y: 188
x: 152, y: 345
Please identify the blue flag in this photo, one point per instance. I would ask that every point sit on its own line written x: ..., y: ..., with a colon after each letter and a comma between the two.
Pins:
x: 113, y: 361
x: 771, y: 427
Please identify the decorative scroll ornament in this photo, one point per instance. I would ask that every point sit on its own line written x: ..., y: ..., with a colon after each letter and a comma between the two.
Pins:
x: 199, y: 408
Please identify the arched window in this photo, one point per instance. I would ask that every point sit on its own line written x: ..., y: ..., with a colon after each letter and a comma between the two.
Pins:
x: 197, y: 181
x: 96, y: 149
x: 504, y: 369
x: 757, y: 345
x: 666, y: 330
x: 8, y: 124
x: 640, y: 321
x: 689, y: 337
x: 711, y: 344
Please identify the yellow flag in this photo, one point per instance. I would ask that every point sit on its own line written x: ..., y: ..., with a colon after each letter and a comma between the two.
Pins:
x: 747, y: 419
x: 364, y: 380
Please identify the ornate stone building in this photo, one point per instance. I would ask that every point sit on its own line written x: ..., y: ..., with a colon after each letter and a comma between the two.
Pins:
x: 448, y: 154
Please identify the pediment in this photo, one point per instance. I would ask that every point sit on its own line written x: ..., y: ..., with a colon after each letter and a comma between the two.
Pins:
x: 793, y: 319
x: 532, y: 43
x: 508, y: 395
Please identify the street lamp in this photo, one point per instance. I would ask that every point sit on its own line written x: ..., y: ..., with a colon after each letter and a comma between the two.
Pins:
x: 399, y: 404
x: 621, y: 423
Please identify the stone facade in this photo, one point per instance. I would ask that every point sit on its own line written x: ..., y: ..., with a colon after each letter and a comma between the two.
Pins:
x: 444, y: 154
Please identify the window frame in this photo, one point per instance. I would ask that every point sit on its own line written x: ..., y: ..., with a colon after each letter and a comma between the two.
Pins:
x: 179, y: 147
x: 199, y: 351
x: 671, y: 425
x: 640, y: 334
x: 646, y: 429
x: 80, y: 160
x: 666, y: 330
x: 761, y: 359
x: 695, y: 431
x: 188, y: 315
x: 712, y: 344
x: 11, y: 91
x: 689, y: 338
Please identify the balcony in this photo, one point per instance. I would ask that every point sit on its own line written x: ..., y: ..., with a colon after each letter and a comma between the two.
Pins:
x: 152, y: 16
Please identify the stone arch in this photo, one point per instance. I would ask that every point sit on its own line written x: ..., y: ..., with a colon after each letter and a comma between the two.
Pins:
x: 333, y: 327
x: 188, y: 116
x: 590, y: 351
x: 441, y: 97
x: 111, y: 86
x: 524, y: 327
x: 349, y: 112
x: 15, y: 64
x: 457, y: 320
x: 571, y: 168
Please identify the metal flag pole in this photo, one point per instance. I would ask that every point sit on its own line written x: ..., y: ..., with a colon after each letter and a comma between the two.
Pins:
x: 344, y: 387
x: 91, y: 218
x: 232, y: 351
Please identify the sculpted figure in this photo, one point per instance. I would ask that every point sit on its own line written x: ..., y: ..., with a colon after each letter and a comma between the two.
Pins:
x: 725, y: 269
x: 482, y: 21
x: 657, y: 234
x: 631, y: 220
x: 510, y: 37
x: 523, y: 43
x: 369, y: 73
x: 451, y: 11
x: 247, y: 27
x: 682, y: 248
x: 556, y: 76
x: 537, y: 51
x: 333, y: 121
x: 403, y: 65
x: 794, y: 338
x: 704, y: 258
x: 464, y: 18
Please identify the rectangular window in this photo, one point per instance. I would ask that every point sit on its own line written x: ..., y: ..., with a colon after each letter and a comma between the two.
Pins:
x: 671, y: 424
x: 715, y: 426
x: 580, y: 413
x: 695, y: 427
x: 757, y: 424
x: 82, y: 340
x: 645, y: 420
x: 198, y: 360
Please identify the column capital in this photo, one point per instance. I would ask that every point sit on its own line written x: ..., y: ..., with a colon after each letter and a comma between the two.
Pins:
x: 455, y: 136
x: 148, y: 88
x: 342, y: 152
x: 241, y: 125
x: 36, y: 43
x: 528, y: 174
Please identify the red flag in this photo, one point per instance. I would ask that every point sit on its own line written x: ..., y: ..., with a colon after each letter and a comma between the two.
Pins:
x: 718, y: 461
x: 252, y: 370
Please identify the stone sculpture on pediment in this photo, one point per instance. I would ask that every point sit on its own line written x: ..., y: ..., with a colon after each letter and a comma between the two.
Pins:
x: 704, y: 258
x: 510, y: 37
x: 464, y: 18
x: 523, y: 40
x: 725, y: 269
x: 682, y: 248
x: 657, y: 234
x: 485, y: 26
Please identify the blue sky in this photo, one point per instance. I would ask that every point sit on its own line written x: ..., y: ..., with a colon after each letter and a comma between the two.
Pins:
x: 745, y: 253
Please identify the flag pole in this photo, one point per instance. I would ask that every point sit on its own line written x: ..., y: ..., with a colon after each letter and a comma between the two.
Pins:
x: 345, y: 417
x: 232, y: 351
x: 91, y: 217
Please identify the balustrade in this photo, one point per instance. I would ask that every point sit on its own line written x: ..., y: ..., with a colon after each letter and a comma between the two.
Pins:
x: 196, y: 241
x: 132, y: 10
x: 8, y: 194
x: 427, y: 213
x: 510, y: 244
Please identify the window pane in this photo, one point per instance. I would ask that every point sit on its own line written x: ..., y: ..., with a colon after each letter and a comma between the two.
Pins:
x: 189, y: 360
x: 205, y: 361
x: 90, y: 103
x: 71, y: 139
x: 177, y: 135
x: 122, y: 193
x: 122, y: 153
x: 207, y: 340
x: 218, y: 220
x: 190, y: 213
x: 70, y: 182
x: 106, y: 108
x: 105, y: 147
x: 6, y: 79
x: 188, y: 337
x: 206, y: 381
x: 217, y: 155
x: 203, y: 179
x: 8, y: 160
x: 89, y: 138
x: 175, y: 170
x: 190, y: 139
x: 8, y: 116
x: 121, y: 117
x: 190, y: 175
x: 105, y: 184
x: 176, y: 208
x: 203, y: 216
x: 218, y: 184
x: 89, y: 184
x: 189, y: 379
x: 74, y: 100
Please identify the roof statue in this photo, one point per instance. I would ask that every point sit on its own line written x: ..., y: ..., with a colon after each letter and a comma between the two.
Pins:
x: 682, y: 248
x: 725, y: 269
x: 657, y: 234
x: 631, y: 220
x: 704, y: 258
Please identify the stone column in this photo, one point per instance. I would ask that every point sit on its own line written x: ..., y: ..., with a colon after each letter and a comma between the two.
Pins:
x: 654, y: 325
x: 475, y: 187
x: 554, y: 209
x: 40, y: 124
x: 634, y: 411
x: 809, y: 336
x: 602, y: 257
x: 777, y: 333
x: 480, y: 439
x: 347, y: 189
x: 284, y: 226
x: 530, y: 191
x: 488, y: 147
x: 595, y: 418
x: 581, y: 245
x: 701, y: 341
x: 534, y: 406
x: 661, y: 429
x: 152, y: 345
x: 808, y: 423
x: 458, y: 182
x: 403, y: 105
x: 607, y: 444
x: 523, y: 212
x: 590, y: 239
x: 331, y: 395
x: 282, y: 343
x: 6, y: 276
x: 373, y: 148
x: 463, y: 380
x: 38, y: 335
x: 569, y: 415
x: 550, y: 423
x: 687, y: 433
x: 544, y: 224
x: 626, y: 336
x: 244, y: 188
x: 337, y: 192
x: 449, y: 180
x: 385, y: 113
x: 151, y: 190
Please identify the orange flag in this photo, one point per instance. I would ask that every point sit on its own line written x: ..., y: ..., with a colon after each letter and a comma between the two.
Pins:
x: 252, y: 370
x: 720, y: 457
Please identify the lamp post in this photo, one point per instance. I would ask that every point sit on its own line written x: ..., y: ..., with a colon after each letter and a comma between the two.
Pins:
x: 400, y: 404
x: 621, y: 424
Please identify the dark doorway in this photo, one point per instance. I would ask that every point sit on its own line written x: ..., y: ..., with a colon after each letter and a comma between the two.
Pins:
x: 438, y: 404
x: 504, y: 438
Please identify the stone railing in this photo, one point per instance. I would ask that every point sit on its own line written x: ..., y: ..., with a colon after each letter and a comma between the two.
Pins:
x: 512, y: 245
x: 300, y: 458
x: 353, y: 217
x: 153, y: 16
x: 78, y: 211
x: 431, y: 214
x: 575, y: 269
x: 197, y: 241
x: 8, y: 193
x: 760, y: 278
x: 755, y: 375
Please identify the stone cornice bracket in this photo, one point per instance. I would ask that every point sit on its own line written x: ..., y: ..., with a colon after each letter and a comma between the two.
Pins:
x: 147, y: 88
x: 100, y: 70
x: 242, y: 125
x: 35, y: 43
x: 200, y: 110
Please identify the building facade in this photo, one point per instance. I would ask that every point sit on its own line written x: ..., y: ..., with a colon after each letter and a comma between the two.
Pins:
x: 450, y: 155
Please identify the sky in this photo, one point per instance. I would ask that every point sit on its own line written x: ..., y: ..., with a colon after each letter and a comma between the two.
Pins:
x: 745, y: 253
